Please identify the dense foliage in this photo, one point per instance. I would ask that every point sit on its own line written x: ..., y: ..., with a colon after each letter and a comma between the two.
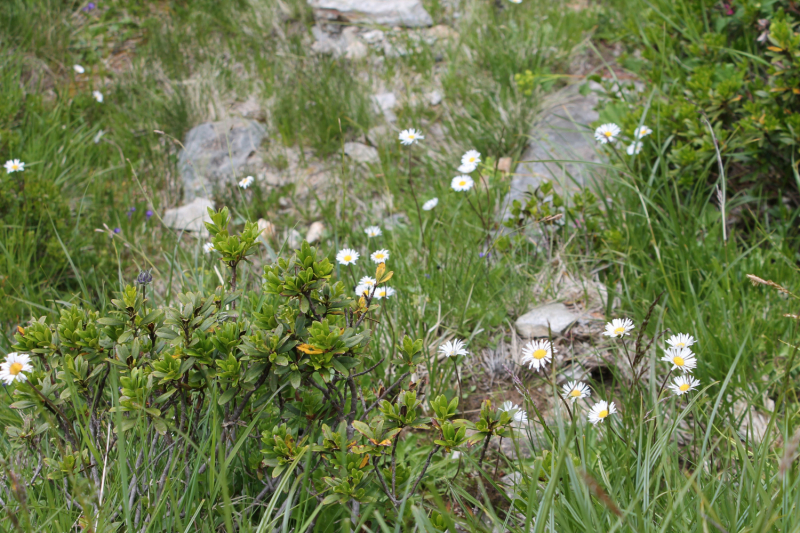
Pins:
x: 733, y: 64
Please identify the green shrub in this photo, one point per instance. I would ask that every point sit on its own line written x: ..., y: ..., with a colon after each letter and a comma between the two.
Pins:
x: 736, y: 64
x: 291, y: 362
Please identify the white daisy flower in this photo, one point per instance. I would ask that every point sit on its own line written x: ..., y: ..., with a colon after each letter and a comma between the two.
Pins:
x: 644, y: 131
x: 380, y: 256
x: 14, y: 165
x: 472, y: 157
x: 681, y: 340
x: 246, y: 182
x: 346, y: 256
x: 12, y: 368
x: 683, y: 384
x: 430, y: 204
x: 363, y: 290
x: 619, y: 327
x: 384, y: 292
x: 681, y: 359
x: 462, y: 183
x: 600, y: 411
x: 373, y: 231
x: 368, y: 281
x: 607, y: 133
x: 453, y: 348
x: 508, y: 405
x: 536, y: 354
x: 519, y: 416
x: 208, y: 247
x: 467, y: 168
x: 634, y: 148
x: 575, y: 390
x: 410, y: 136
x: 97, y: 95
x: 515, y: 1
x: 79, y: 69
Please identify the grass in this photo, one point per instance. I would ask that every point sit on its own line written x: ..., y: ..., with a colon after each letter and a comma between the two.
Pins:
x: 669, y: 465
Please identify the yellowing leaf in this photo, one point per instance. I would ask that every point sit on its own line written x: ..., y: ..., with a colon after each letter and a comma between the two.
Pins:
x: 308, y: 349
x: 775, y: 48
x: 21, y: 330
x: 379, y: 271
x: 364, y: 461
x: 387, y: 277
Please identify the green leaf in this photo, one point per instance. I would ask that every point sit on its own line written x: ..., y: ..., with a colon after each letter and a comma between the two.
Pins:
x: 294, y: 378
x: 348, y: 362
x: 164, y: 397
x: 331, y: 498
x: 161, y: 425
x: 227, y: 396
x: 337, y: 364
x: 110, y: 321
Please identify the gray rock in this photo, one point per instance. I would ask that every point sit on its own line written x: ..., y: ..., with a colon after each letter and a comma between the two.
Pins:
x: 190, y: 217
x: 385, y: 103
x: 214, y: 152
x: 434, y: 97
x: 535, y: 322
x: 393, y: 221
x: 315, y: 232
x: 379, y: 134
x: 361, y: 153
x: 356, y: 50
x: 409, y: 13
x: 291, y: 240
x: 373, y: 36
x: 326, y: 43
x: 561, y: 133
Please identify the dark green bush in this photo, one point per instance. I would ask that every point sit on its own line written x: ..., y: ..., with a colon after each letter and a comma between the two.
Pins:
x: 738, y: 64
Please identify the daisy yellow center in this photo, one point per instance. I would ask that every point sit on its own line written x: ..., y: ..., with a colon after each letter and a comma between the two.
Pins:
x: 539, y: 354
x: 378, y: 256
x: 15, y: 167
x: 410, y: 135
x: 607, y: 133
x: 471, y: 159
x: 575, y: 393
x: 620, y: 330
x: 15, y: 368
x: 603, y: 413
x: 679, y: 361
x: 684, y: 387
x: 348, y: 257
x: 462, y: 183
x: 681, y: 344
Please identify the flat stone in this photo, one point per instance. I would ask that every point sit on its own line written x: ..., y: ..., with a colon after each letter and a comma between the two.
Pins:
x: 315, y: 232
x: 266, y: 230
x: 561, y: 133
x: 326, y: 43
x: 393, y: 221
x: 361, y: 152
x: 291, y: 240
x: 434, y: 97
x: 408, y: 13
x: 215, y: 153
x: 379, y: 134
x: 385, y: 103
x: 356, y: 50
x: 190, y: 217
x: 373, y: 36
x: 535, y: 322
